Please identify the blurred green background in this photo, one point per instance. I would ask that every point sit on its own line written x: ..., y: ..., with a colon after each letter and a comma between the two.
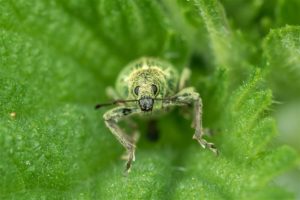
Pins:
x: 57, y: 57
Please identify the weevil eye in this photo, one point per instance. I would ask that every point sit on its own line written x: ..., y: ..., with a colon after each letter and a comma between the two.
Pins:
x: 136, y: 90
x: 154, y: 89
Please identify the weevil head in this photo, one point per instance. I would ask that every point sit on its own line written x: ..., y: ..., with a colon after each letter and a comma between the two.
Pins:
x: 146, y: 93
x: 145, y: 86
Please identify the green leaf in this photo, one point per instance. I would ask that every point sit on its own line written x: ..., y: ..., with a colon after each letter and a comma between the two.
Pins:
x: 58, y: 57
x: 220, y: 35
x: 229, y: 48
x: 243, y: 12
x: 287, y: 12
x: 282, y: 52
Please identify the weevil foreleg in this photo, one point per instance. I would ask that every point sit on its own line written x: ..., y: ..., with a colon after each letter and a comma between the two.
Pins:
x: 111, y: 118
x: 188, y: 96
x: 185, y: 76
x: 112, y: 93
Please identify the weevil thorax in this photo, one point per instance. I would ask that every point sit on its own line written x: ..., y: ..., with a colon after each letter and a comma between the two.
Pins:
x: 147, y: 80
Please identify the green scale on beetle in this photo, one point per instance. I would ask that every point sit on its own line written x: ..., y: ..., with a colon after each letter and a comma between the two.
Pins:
x: 150, y: 85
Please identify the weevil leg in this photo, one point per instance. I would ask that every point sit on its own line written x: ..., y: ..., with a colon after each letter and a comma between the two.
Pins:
x: 188, y: 96
x: 198, y: 127
x: 135, y: 132
x: 135, y: 136
x: 185, y: 76
x: 112, y: 93
x: 111, y: 118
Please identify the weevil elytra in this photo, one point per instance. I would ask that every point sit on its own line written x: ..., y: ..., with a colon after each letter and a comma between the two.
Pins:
x: 150, y: 85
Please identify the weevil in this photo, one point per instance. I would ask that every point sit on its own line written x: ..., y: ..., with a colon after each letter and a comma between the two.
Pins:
x: 150, y: 85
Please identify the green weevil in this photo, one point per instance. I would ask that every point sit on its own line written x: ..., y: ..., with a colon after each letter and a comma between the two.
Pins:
x: 150, y: 85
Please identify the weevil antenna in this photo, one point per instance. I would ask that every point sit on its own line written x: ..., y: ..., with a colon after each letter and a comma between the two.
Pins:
x: 100, y: 105
x: 163, y: 99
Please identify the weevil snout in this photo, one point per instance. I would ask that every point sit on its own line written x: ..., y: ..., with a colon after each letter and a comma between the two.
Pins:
x: 146, y: 103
